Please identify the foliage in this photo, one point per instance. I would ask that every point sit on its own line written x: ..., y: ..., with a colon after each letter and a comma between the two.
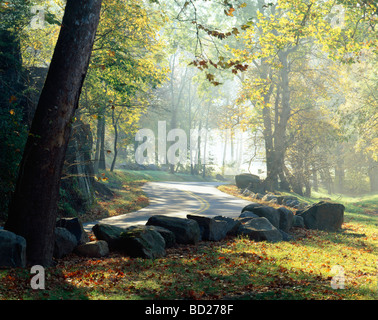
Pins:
x: 13, y: 17
x: 126, y: 65
x: 358, y: 114
x: 13, y: 134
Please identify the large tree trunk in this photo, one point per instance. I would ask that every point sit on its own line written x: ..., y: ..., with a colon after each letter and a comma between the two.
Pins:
x: 33, y: 209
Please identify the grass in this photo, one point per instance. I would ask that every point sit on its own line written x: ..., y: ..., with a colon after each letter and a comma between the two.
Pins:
x: 235, y: 268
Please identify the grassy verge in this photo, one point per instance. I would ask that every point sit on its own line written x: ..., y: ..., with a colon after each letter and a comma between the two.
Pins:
x: 235, y: 268
x: 362, y: 210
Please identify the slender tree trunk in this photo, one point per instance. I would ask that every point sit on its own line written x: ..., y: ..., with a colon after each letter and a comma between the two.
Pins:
x: 33, y: 209
x: 232, y: 144
x: 205, y: 142
x: 97, y: 152
x: 173, y: 126
x: 115, y: 149
x: 102, y: 160
x: 198, y: 166
x: 339, y: 175
x: 189, y: 129
x: 327, y: 180
x: 224, y: 152
x: 306, y: 178
x: 373, y: 175
x: 315, y: 179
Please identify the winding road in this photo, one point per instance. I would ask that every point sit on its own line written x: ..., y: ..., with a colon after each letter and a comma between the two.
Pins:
x: 177, y: 199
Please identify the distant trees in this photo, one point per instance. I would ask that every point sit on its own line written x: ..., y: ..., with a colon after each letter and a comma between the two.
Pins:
x: 123, y: 70
x: 291, y: 84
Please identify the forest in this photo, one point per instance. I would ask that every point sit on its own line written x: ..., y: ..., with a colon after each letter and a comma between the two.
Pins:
x: 283, y: 89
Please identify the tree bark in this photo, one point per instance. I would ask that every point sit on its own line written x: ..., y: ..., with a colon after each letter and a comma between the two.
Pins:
x: 33, y: 209
x: 97, y: 151
x: 115, y: 149
x: 102, y: 160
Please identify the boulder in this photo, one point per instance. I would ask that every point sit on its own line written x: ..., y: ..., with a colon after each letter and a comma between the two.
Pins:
x: 250, y: 181
x: 232, y: 225
x: 285, y: 236
x: 248, y: 214
x: 74, y: 226
x: 12, y: 250
x: 286, y: 219
x: 211, y: 229
x: 65, y: 242
x: 168, y: 236
x: 270, y: 213
x: 109, y: 233
x: 294, y: 203
x: 244, y: 220
x: 251, y: 206
x: 260, y: 229
x: 324, y: 215
x: 303, y: 206
x: 279, y: 199
x: 93, y: 249
x: 186, y: 231
x: 258, y: 196
x: 142, y: 242
x: 285, y: 199
x: 247, y: 193
x: 269, y: 197
x: 298, y: 221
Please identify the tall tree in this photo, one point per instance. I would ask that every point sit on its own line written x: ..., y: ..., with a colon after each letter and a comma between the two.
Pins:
x: 33, y: 209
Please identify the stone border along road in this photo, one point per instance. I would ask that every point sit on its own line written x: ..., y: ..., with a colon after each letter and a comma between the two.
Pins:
x: 177, y: 199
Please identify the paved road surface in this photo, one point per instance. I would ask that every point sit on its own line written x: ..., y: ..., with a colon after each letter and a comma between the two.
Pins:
x: 177, y: 199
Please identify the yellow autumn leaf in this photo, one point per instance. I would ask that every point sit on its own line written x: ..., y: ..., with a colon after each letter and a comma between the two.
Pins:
x: 12, y: 98
x: 230, y: 12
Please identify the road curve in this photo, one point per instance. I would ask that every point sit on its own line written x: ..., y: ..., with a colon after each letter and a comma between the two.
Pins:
x: 177, y: 199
